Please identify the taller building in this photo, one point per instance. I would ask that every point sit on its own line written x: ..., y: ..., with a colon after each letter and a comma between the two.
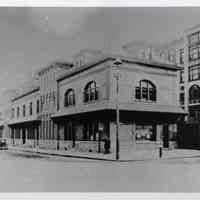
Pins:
x: 186, y: 53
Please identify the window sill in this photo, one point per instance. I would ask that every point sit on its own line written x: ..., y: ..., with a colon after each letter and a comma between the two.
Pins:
x: 91, y: 102
x: 69, y: 106
x: 144, y: 101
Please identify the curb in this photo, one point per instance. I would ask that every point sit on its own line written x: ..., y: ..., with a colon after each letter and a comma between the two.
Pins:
x: 60, y: 155
x: 102, y: 159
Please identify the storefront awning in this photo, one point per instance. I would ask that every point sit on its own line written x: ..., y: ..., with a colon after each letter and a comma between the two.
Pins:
x: 23, y: 121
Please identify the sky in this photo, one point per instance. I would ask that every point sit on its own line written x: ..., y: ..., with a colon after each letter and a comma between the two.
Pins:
x: 33, y: 37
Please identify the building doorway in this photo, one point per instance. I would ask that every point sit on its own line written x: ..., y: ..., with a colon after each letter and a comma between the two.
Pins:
x: 23, y: 135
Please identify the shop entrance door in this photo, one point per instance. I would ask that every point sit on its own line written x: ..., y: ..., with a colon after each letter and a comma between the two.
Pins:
x: 126, y: 137
x: 23, y: 135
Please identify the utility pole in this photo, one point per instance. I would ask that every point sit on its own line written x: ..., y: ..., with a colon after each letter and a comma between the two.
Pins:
x: 117, y: 76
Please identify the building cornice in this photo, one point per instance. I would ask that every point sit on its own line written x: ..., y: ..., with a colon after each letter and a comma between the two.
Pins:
x: 144, y: 62
x: 25, y: 93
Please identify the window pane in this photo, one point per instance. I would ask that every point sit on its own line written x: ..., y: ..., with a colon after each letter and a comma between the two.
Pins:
x: 144, y: 93
x: 90, y: 92
x: 137, y: 93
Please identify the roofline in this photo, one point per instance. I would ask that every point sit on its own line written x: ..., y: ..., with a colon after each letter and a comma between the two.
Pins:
x: 53, y: 64
x: 186, y: 31
x: 25, y: 94
x: 150, y: 63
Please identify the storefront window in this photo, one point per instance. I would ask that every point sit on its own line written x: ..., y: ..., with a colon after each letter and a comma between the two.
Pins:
x: 144, y: 134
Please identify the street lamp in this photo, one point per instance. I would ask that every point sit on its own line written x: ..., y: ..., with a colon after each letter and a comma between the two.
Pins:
x: 117, y: 76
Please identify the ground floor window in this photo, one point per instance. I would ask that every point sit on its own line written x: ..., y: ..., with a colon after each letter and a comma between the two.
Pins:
x: 17, y: 133
x: 68, y: 131
x: 91, y: 130
x: 145, y: 133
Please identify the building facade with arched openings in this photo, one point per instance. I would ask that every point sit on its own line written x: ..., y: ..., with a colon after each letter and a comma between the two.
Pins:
x: 147, y: 99
x: 74, y: 108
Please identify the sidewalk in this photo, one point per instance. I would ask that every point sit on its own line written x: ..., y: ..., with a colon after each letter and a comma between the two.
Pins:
x: 86, y: 155
x: 124, y: 156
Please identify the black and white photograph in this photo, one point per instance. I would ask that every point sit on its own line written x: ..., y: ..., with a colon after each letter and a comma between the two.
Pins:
x: 99, y: 99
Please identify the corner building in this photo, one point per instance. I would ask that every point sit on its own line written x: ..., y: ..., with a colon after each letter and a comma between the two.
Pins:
x: 73, y: 108
x: 148, y: 105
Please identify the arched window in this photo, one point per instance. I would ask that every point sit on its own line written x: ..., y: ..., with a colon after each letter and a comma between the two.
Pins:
x: 90, y: 92
x: 194, y: 94
x: 145, y: 90
x: 69, y: 98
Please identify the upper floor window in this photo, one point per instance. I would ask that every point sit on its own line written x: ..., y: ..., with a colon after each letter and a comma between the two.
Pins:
x: 24, y: 110
x: 12, y: 113
x: 171, y: 56
x: 194, y: 73
x: 90, y: 92
x: 31, y: 108
x: 194, y: 94
x: 194, y: 38
x: 145, y: 90
x: 182, y: 98
x: 181, y: 76
x: 17, y: 111
x: 69, y: 98
x: 181, y: 56
x: 194, y: 53
x: 38, y: 106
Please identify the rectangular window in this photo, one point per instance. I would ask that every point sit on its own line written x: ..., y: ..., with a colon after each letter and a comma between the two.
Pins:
x: 194, y: 53
x: 24, y: 110
x: 144, y: 134
x: 152, y: 94
x: 12, y: 113
x: 181, y: 76
x: 145, y: 93
x: 137, y: 93
x: 38, y: 106
x: 194, y: 73
x: 31, y: 108
x: 90, y: 131
x: 18, y: 112
x: 181, y: 56
x: 194, y: 38
x: 182, y: 98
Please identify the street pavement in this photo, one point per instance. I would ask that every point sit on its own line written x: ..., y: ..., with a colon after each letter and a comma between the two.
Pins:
x: 26, y: 172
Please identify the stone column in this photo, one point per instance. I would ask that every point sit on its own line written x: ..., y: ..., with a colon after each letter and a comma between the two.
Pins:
x: 35, y: 135
x: 21, y: 142
x: 26, y: 135
x: 58, y: 136
x: 13, y: 136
